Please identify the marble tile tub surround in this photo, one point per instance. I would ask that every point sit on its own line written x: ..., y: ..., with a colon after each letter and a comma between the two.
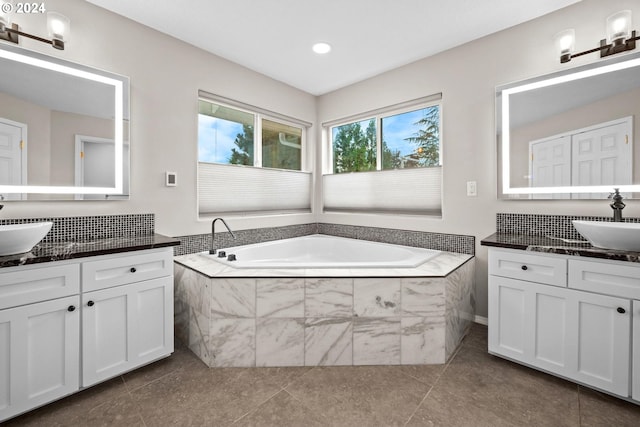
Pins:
x: 312, y: 321
x: 89, y: 228
x: 428, y: 240
x: 546, y: 225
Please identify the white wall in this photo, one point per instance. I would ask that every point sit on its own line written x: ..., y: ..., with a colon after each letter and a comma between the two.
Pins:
x: 166, y: 75
x: 467, y: 77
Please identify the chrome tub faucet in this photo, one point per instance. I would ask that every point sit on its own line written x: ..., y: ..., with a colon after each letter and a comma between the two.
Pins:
x: 213, y: 249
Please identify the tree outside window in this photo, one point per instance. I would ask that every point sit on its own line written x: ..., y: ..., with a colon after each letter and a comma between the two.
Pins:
x: 409, y: 140
x: 228, y: 135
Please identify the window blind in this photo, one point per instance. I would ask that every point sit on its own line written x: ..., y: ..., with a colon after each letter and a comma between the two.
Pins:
x: 239, y: 189
x: 415, y: 191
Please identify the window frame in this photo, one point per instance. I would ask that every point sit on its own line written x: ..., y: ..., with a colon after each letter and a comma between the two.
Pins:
x: 260, y: 114
x: 378, y: 115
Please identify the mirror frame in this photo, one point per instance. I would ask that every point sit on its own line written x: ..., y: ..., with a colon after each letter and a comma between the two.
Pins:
x: 502, y: 125
x: 121, y: 93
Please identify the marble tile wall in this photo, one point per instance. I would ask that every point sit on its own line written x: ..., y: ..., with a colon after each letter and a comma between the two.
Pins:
x: 247, y: 322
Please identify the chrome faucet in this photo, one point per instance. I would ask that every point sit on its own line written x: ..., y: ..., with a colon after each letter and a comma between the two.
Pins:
x: 213, y: 249
x: 616, y: 205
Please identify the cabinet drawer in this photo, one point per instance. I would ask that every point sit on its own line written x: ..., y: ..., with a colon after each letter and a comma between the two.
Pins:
x: 26, y: 285
x: 524, y: 266
x: 605, y: 278
x: 123, y: 269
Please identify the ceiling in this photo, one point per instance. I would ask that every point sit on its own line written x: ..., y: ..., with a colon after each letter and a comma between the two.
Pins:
x: 369, y: 37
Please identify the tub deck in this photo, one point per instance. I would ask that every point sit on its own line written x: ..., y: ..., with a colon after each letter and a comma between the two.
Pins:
x: 439, y: 266
x: 329, y: 316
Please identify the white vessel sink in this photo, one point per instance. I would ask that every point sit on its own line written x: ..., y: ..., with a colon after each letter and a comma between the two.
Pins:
x: 20, y: 238
x: 624, y: 236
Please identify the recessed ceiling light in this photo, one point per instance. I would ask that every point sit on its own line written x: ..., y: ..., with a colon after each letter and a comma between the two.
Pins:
x: 321, y: 48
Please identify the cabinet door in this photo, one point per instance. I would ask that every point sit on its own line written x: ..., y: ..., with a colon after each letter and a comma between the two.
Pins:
x: 579, y: 335
x: 39, y: 354
x: 601, y: 336
x: 508, y: 307
x: 528, y: 323
x: 125, y: 327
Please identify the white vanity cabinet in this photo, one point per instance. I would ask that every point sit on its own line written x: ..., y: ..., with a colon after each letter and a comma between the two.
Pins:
x: 567, y: 316
x: 129, y: 324
x: 70, y: 324
x: 39, y: 336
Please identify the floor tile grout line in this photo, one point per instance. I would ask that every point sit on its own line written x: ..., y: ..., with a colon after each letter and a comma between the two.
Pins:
x: 282, y: 388
x: 579, y: 406
x: 446, y: 366
x: 132, y: 389
x: 137, y: 406
x: 255, y: 409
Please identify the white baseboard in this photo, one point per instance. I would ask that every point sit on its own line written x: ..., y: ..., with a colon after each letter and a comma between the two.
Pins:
x: 481, y: 320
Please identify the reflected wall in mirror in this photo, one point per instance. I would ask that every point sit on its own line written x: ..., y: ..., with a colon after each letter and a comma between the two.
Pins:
x: 64, y: 129
x: 572, y: 134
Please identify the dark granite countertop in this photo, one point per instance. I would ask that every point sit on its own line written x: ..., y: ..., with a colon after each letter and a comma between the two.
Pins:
x: 555, y: 245
x: 56, y: 251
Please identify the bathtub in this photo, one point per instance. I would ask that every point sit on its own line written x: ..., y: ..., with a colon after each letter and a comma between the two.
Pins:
x: 323, y: 301
x: 322, y: 251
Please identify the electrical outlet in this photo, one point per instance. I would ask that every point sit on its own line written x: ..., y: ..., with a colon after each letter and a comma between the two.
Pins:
x: 472, y: 189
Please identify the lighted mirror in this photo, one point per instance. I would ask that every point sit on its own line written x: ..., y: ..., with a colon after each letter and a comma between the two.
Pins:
x: 63, y: 129
x: 571, y: 134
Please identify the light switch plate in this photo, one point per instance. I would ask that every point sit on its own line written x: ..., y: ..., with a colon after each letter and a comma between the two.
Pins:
x: 472, y: 188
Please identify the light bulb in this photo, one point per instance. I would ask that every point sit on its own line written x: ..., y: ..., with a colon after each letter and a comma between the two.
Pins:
x: 321, y: 48
x: 618, y: 27
x: 58, y: 26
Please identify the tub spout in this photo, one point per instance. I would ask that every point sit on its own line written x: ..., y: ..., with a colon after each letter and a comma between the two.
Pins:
x: 213, y: 249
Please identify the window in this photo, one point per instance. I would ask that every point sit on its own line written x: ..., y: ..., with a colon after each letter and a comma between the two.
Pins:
x: 232, y: 134
x: 228, y: 135
x: 225, y: 135
x: 281, y: 146
x: 410, y: 139
x: 399, y: 147
x: 354, y: 146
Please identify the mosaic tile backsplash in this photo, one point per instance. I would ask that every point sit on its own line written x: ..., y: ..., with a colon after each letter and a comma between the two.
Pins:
x: 444, y: 242
x: 546, y: 225
x: 89, y: 228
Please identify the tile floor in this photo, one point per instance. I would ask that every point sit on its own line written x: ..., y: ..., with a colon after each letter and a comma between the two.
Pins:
x: 473, y: 389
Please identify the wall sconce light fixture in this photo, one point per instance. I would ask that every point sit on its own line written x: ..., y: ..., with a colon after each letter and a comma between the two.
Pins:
x: 620, y: 38
x: 57, y: 25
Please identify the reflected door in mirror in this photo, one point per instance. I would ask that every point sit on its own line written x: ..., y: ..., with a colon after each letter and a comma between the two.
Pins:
x: 13, y: 155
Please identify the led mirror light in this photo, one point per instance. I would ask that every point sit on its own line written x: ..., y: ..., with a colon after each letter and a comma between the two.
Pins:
x: 118, y: 87
x: 505, y: 131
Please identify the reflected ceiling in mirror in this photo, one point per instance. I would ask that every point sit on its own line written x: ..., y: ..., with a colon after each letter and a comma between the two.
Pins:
x: 63, y: 129
x: 570, y: 134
